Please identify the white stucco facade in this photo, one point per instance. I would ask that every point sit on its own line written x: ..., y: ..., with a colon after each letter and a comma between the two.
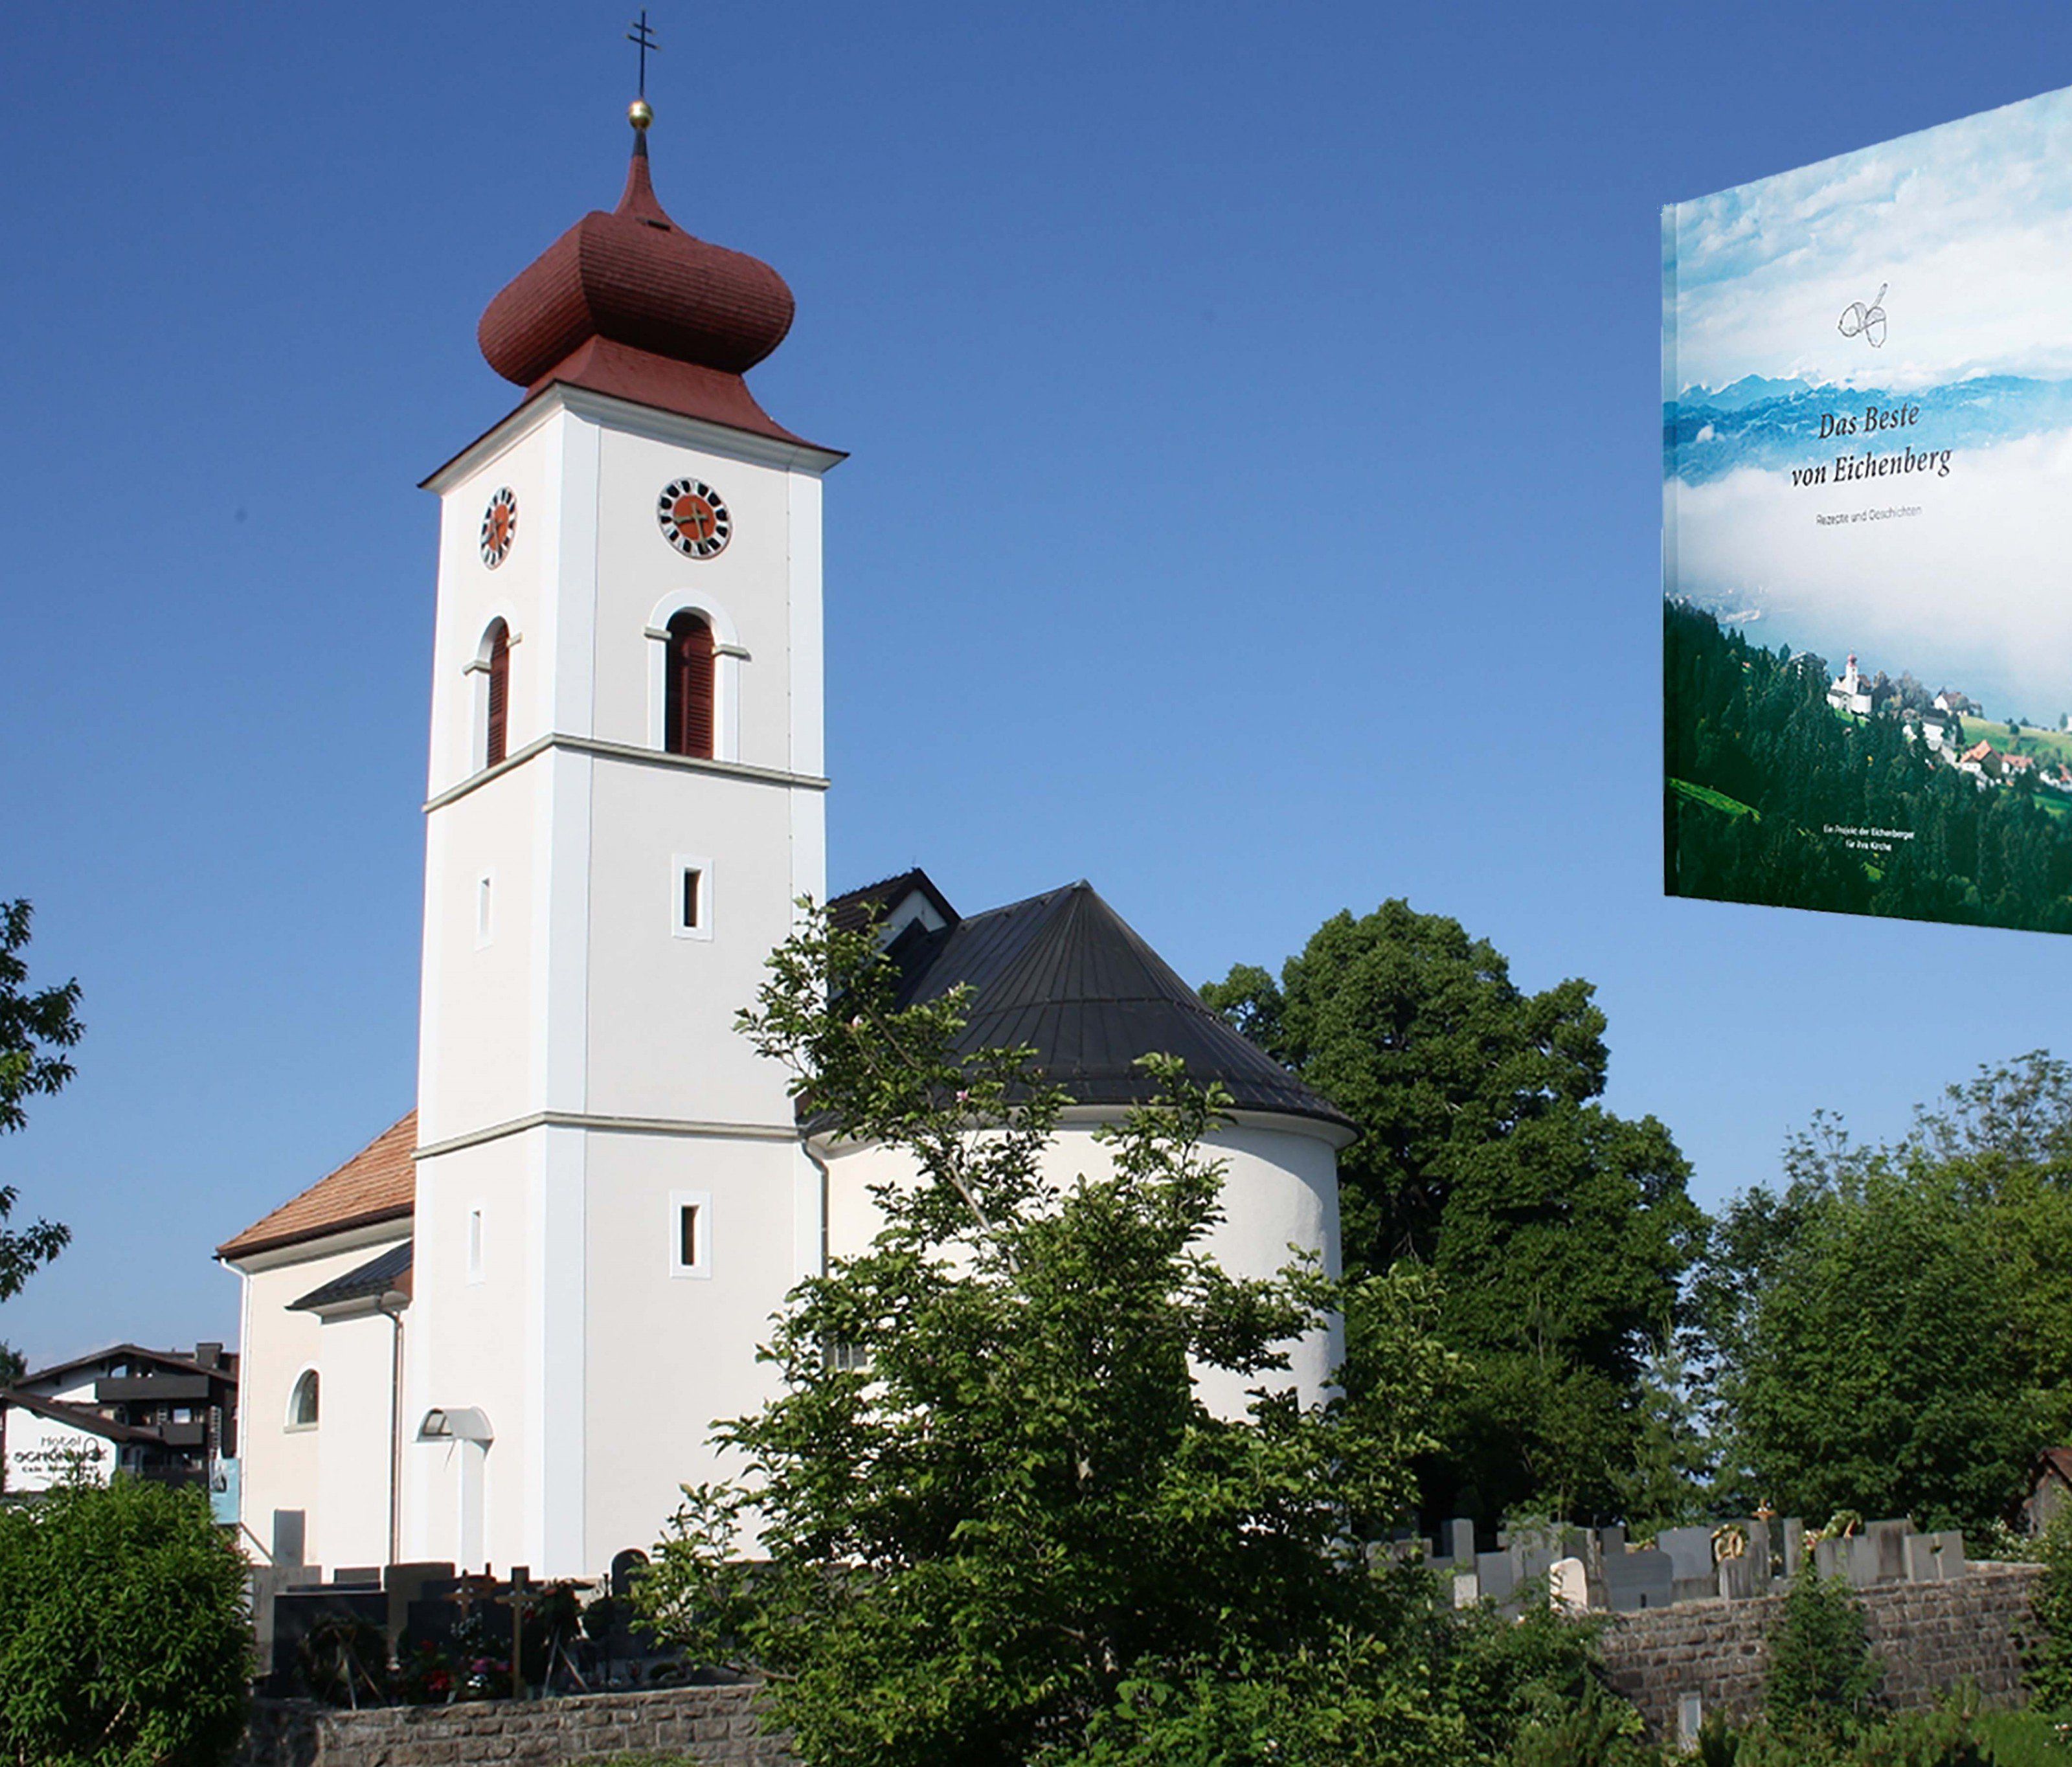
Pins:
x: 578, y: 1065
x: 1281, y: 1191
x: 331, y: 1473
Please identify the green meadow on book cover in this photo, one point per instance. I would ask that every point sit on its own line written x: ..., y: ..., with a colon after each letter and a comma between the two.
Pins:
x: 1867, y: 530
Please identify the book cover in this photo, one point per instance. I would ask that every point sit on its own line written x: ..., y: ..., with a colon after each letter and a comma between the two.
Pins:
x: 1867, y: 530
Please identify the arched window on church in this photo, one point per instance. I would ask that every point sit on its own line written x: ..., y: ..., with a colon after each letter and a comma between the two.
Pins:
x: 497, y: 646
x: 302, y: 1402
x: 687, y: 718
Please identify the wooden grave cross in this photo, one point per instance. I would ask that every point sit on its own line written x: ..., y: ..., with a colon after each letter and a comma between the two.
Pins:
x: 521, y: 1598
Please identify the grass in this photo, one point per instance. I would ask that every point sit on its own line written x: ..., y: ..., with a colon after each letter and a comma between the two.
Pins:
x: 1714, y: 800
x: 2048, y: 746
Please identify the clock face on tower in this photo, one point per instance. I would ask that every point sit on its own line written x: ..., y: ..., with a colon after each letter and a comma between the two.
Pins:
x: 693, y: 520
x: 499, y: 527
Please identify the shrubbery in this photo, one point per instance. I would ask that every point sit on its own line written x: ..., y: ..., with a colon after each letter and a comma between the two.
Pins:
x: 1821, y: 1673
x: 123, y: 1635
x: 2050, y: 1672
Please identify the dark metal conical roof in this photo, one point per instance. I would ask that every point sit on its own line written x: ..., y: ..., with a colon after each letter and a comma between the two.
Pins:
x: 1064, y: 974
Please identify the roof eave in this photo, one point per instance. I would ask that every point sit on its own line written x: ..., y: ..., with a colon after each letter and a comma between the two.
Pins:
x: 542, y: 401
x: 390, y: 1300
x: 250, y: 1256
x: 127, y: 1353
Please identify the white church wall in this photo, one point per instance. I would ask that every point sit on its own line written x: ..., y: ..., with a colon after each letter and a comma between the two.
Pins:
x: 669, y: 1352
x: 661, y: 1037
x: 640, y: 575
x: 43, y: 1453
x: 472, y: 594
x: 356, y: 1356
x: 807, y: 702
x: 280, y: 1462
x: 1280, y: 1189
x: 480, y: 981
x: 466, y: 1345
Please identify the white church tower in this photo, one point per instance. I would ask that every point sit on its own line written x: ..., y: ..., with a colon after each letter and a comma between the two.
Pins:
x: 626, y: 797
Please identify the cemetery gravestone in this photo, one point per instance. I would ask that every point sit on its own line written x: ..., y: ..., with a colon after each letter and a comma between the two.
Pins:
x: 1636, y: 1580
x: 1690, y: 1551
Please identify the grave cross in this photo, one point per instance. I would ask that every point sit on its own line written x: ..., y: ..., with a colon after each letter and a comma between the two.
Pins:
x: 467, y: 1590
x: 521, y: 1598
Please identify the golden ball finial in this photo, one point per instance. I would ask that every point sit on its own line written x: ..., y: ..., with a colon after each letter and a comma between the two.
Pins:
x: 639, y: 114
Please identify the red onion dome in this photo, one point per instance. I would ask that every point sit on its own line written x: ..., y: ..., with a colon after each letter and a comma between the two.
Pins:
x: 634, y: 278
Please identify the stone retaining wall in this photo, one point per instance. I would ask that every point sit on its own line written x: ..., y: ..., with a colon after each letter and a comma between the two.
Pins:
x: 717, y: 1727
x: 1930, y: 1636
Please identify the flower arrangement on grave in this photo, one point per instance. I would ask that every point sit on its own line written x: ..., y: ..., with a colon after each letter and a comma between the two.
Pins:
x: 425, y: 1675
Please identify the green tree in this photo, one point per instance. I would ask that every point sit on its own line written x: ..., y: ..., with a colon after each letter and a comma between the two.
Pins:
x: 36, y: 1025
x: 1822, y: 1671
x: 1560, y: 1232
x: 2049, y: 1676
x: 123, y: 1641
x: 1889, y: 1325
x: 993, y: 1520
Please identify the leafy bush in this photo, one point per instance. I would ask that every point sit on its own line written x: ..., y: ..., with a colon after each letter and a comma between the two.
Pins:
x: 1925, y: 1739
x: 123, y: 1636
x: 1601, y: 1732
x: 1348, y: 1705
x: 1507, y: 1676
x: 1439, y: 1688
x: 1822, y: 1672
x: 2050, y: 1668
x: 1945, y: 1738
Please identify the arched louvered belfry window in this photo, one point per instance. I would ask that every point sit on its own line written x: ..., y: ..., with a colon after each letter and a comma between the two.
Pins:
x: 499, y: 693
x: 687, y: 718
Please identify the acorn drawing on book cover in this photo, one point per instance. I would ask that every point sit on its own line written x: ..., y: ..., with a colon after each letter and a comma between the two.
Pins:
x: 1858, y: 320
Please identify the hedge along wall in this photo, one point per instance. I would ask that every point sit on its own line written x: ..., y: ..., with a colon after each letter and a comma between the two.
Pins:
x: 718, y: 1727
x: 1931, y: 1637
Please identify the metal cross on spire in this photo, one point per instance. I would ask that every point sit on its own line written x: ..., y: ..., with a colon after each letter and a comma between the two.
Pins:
x: 641, y: 35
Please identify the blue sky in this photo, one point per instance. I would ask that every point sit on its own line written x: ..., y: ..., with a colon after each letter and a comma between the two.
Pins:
x: 1254, y: 508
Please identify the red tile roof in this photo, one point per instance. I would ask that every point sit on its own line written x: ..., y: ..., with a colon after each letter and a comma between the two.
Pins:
x: 378, y: 1183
